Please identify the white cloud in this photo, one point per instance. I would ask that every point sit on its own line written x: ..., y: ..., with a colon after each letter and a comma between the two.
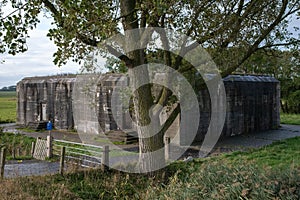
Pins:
x: 37, y: 61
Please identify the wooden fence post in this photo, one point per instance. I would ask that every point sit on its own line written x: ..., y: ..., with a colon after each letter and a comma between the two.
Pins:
x: 13, y: 152
x: 49, y: 146
x: 105, y: 158
x: 32, y: 148
x: 18, y: 152
x: 167, y: 148
x: 2, y: 161
x: 62, y: 160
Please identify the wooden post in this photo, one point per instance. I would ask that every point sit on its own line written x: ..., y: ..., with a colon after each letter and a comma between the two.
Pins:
x: 2, y: 161
x: 105, y: 158
x: 62, y: 160
x: 18, y: 152
x: 49, y: 146
x: 167, y: 148
x: 32, y: 148
x: 13, y: 152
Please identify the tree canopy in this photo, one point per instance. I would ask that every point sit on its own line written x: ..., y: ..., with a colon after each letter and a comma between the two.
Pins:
x: 246, y: 26
x: 230, y: 30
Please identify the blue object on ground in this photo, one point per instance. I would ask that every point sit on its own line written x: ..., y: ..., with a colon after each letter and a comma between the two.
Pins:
x: 49, y: 126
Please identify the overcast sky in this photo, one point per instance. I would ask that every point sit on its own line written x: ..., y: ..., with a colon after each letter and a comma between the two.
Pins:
x: 37, y: 61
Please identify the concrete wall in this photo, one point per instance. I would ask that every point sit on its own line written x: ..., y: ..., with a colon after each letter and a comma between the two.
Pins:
x: 252, y: 104
x: 46, y: 98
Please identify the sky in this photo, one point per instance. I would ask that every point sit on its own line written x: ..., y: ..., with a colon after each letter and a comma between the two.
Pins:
x: 37, y: 61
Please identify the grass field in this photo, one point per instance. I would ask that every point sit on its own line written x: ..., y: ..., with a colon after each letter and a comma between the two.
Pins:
x: 272, y: 172
x: 290, y: 118
x: 8, y: 104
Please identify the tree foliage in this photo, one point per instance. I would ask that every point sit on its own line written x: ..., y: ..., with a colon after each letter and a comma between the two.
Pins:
x: 231, y: 30
x: 221, y: 25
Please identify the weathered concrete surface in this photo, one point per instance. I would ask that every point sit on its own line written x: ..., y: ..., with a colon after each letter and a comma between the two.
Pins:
x: 46, y: 98
x: 252, y: 104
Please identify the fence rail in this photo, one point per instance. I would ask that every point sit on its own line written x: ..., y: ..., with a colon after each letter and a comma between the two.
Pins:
x: 67, y: 151
x: 77, y: 143
x: 85, y: 155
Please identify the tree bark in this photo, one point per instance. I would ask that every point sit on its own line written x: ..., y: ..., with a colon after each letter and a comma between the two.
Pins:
x: 151, y: 152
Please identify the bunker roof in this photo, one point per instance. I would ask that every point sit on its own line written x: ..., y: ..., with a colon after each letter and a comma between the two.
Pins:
x: 115, y: 77
x: 250, y: 78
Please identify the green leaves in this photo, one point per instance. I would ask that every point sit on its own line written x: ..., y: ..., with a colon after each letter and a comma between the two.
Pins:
x: 220, y: 25
x: 14, y: 27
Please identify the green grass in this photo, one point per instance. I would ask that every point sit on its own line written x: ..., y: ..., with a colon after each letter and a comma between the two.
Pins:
x: 13, y: 142
x: 290, y: 118
x: 8, y: 104
x: 272, y: 172
x: 279, y: 155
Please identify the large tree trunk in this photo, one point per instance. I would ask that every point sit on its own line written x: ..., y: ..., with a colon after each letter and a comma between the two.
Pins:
x: 151, y: 154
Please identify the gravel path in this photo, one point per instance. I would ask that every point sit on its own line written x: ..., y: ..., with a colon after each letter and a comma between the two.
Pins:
x: 30, y: 168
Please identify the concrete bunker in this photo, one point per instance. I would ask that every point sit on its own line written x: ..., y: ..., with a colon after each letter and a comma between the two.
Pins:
x: 253, y: 104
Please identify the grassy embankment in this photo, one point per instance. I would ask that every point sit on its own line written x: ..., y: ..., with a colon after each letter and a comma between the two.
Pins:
x: 8, y: 103
x: 272, y: 172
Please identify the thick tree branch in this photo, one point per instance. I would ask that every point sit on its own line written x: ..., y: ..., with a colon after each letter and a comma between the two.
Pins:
x: 128, y: 10
x: 171, y: 119
x: 255, y: 45
x: 52, y: 8
x: 126, y: 15
x: 124, y: 58
x: 166, y: 93
x: 87, y: 40
x: 144, y: 19
x: 279, y: 44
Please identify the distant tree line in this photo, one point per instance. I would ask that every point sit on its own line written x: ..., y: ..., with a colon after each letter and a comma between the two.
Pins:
x: 9, y: 88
